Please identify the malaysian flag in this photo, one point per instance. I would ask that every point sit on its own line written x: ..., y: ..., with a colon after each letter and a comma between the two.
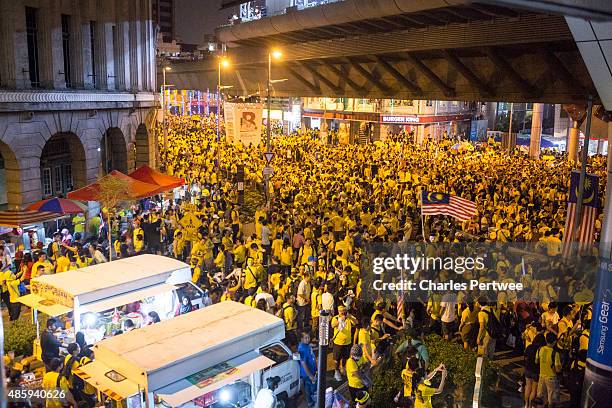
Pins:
x: 590, y: 208
x: 446, y: 204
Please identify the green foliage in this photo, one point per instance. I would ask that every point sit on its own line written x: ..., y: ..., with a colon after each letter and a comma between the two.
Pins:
x: 253, y: 199
x: 459, y: 362
x: 19, y: 337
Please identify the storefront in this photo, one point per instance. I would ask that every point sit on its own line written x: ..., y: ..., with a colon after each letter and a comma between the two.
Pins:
x: 434, y: 127
x: 350, y: 127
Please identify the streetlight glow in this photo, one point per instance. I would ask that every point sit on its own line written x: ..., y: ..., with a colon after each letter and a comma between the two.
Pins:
x: 224, y: 61
x: 276, y: 54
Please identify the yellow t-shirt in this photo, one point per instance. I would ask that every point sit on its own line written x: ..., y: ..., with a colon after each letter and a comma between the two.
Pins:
x: 424, y: 394
x: 50, y: 382
x: 364, y: 338
x: 352, y: 370
x: 62, y: 264
x: 290, y: 317
x: 544, y: 357
x: 251, y: 277
x: 342, y: 337
x: 407, y: 380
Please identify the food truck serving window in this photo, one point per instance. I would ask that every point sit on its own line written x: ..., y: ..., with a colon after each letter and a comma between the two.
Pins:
x: 275, y: 353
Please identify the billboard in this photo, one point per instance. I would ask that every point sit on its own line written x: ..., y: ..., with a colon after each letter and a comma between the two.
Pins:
x: 243, y: 122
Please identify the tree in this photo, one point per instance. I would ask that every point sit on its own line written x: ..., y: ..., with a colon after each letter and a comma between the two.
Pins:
x: 113, y: 193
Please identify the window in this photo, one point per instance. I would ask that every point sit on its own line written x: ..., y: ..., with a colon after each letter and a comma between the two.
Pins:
x: 57, y: 179
x: 66, y: 48
x: 92, y: 45
x: 46, y: 181
x: 275, y: 353
x: 68, y: 177
x: 32, y: 39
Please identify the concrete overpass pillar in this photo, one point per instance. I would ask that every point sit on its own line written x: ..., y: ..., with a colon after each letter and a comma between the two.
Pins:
x: 536, y: 130
x: 572, y: 145
x: 597, y: 386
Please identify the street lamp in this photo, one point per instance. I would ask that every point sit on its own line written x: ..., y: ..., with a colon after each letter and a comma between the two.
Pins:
x: 163, y: 100
x: 324, y: 319
x: 276, y: 54
x: 223, y: 63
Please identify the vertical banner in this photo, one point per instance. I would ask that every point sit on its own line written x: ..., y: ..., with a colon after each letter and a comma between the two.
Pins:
x: 243, y: 122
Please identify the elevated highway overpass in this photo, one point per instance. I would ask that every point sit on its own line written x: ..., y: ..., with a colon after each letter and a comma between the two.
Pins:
x: 493, y: 50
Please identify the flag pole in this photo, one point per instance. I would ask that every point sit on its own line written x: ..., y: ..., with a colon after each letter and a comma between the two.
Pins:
x: 422, y: 221
x: 583, y: 165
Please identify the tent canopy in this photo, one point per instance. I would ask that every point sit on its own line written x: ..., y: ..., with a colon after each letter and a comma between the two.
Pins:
x: 14, y: 219
x: 148, y: 175
x: 137, y: 189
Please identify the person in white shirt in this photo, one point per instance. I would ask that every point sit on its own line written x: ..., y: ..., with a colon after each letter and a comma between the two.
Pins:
x: 448, y: 309
x: 327, y: 300
x: 265, y: 296
x: 303, y: 302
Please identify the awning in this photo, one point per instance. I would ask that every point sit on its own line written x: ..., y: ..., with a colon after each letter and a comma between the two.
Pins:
x: 148, y: 175
x: 134, y: 189
x: 16, y: 219
x: 213, y: 378
x: 97, y: 374
x: 44, y: 305
x: 126, y: 298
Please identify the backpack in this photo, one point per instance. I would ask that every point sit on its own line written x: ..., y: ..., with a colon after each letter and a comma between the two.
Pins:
x: 494, y: 327
x: 76, y: 381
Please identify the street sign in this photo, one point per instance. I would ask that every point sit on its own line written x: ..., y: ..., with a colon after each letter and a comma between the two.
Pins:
x: 268, y: 156
x: 268, y: 170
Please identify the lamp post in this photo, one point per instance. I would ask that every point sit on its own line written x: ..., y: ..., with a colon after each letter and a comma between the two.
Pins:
x: 324, y: 319
x: 163, y: 100
x: 276, y: 54
x: 223, y: 62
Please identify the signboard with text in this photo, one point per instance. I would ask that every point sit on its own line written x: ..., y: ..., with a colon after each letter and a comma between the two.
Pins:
x: 243, y: 122
x: 51, y: 293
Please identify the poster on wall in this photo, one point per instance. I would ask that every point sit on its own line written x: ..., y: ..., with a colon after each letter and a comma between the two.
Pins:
x: 478, y: 130
x: 243, y: 122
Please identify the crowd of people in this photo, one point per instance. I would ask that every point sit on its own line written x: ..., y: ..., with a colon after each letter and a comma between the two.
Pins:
x: 298, y: 255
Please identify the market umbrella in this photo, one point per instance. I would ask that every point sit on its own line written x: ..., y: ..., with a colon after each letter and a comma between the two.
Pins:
x: 19, y: 218
x: 58, y: 206
x: 137, y: 189
x: 148, y: 175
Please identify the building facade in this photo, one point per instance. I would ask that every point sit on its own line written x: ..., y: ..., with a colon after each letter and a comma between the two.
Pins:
x: 376, y: 118
x: 77, y: 83
x: 163, y: 18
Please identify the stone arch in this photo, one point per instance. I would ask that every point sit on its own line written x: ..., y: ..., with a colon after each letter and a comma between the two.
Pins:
x: 113, y: 151
x: 10, y: 178
x: 62, y: 164
x: 143, y: 146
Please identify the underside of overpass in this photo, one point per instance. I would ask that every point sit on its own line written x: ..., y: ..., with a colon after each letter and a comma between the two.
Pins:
x: 404, y: 49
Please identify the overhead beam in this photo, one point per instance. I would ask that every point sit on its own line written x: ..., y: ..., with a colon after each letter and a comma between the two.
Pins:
x: 303, y: 80
x: 556, y: 65
x: 432, y: 76
x: 502, y: 64
x: 413, y: 86
x: 368, y: 75
x: 343, y: 76
x: 467, y: 73
x: 335, y: 88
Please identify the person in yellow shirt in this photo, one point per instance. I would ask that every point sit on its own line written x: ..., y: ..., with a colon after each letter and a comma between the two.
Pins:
x: 342, y: 324
x: 48, y: 267
x: 239, y: 252
x: 364, y: 339
x: 79, y: 223
x: 53, y: 380
x: 63, y: 263
x: 550, y: 365
x: 289, y: 315
x: 315, y: 303
x: 424, y: 391
x: 354, y: 374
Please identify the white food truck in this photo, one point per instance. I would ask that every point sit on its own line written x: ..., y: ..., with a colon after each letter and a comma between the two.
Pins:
x: 99, y: 299
x: 221, y: 356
